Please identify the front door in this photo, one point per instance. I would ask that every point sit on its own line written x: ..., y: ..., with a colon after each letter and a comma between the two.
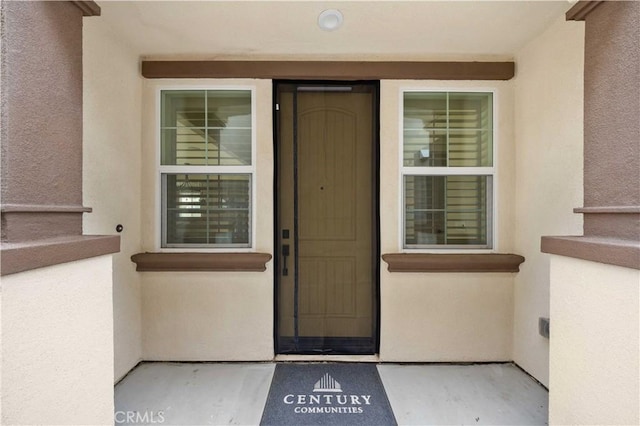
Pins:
x: 327, y: 236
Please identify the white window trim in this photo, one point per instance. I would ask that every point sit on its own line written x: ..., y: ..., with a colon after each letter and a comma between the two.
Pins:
x: 490, y: 171
x: 160, y: 169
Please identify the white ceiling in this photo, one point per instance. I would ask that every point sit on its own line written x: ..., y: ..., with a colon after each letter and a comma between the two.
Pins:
x: 401, y: 30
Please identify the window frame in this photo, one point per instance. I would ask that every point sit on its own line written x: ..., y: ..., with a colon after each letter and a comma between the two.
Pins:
x: 160, y: 170
x: 492, y: 172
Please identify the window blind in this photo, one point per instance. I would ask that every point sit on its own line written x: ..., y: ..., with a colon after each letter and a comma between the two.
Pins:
x: 451, y: 132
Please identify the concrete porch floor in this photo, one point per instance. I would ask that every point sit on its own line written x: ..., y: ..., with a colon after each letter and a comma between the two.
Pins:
x: 235, y: 394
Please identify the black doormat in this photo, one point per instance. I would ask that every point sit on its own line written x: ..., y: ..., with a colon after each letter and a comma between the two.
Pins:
x: 327, y: 394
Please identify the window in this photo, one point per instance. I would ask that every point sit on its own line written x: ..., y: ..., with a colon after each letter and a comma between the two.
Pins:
x: 206, y: 168
x: 447, y: 169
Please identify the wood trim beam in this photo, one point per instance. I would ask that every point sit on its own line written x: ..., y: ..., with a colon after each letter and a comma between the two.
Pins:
x: 88, y: 8
x: 580, y: 10
x: 431, y: 262
x: 330, y: 70
x: 185, y: 262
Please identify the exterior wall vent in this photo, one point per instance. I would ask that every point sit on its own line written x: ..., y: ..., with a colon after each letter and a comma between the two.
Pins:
x: 543, y: 327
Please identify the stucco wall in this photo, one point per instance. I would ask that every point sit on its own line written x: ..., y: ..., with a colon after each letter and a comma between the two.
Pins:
x: 112, y: 153
x: 425, y: 317
x: 595, y: 343
x: 201, y: 315
x: 548, y: 135
x: 57, y: 344
x: 453, y: 316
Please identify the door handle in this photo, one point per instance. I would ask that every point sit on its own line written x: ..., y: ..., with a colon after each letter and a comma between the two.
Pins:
x: 285, y: 254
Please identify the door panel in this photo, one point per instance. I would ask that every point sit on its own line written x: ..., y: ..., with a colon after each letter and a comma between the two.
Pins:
x: 327, y: 204
x: 326, y: 176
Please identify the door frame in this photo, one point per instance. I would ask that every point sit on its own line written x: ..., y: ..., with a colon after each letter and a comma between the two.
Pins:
x: 376, y: 253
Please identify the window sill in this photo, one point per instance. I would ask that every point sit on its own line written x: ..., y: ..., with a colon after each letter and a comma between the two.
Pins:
x: 212, y: 262
x: 429, y: 262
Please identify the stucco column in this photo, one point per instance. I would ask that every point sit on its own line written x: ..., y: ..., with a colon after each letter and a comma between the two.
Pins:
x: 611, y: 134
x: 41, y: 144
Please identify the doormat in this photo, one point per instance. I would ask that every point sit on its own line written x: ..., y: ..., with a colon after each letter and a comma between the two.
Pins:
x: 327, y: 394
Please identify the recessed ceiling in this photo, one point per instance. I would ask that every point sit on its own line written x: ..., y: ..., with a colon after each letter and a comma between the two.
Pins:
x: 373, y: 30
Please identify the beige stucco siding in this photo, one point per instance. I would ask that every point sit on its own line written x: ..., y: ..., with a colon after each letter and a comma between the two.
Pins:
x: 595, y: 343
x: 453, y: 316
x: 209, y: 315
x: 112, y: 100
x: 200, y: 316
x: 224, y: 316
x: 446, y: 317
x: 57, y: 344
x: 548, y: 155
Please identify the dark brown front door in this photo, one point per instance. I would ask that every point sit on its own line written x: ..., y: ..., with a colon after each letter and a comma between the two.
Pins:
x: 327, y: 227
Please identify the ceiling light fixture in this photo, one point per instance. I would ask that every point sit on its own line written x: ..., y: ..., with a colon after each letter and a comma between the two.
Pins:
x: 330, y: 20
